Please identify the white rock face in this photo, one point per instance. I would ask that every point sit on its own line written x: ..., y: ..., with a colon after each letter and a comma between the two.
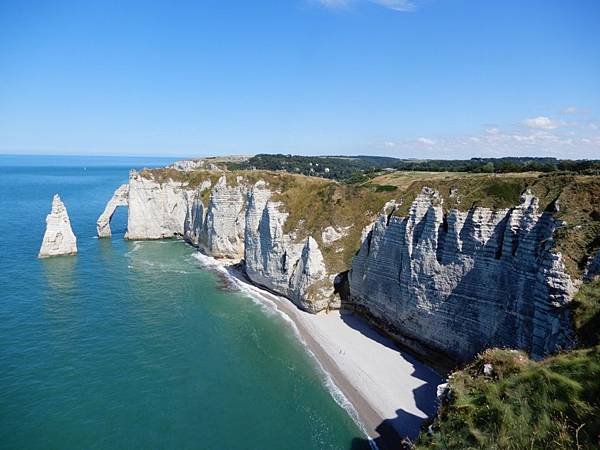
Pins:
x: 188, y: 165
x: 119, y: 198
x: 331, y: 234
x: 274, y: 260
x: 222, y: 233
x: 58, y: 238
x: 194, y: 222
x: 237, y: 223
x: 459, y: 283
x: 451, y: 283
x: 156, y: 210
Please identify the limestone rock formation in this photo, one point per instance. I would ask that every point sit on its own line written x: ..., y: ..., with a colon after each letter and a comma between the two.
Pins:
x: 442, y: 283
x: 119, y: 198
x: 157, y: 210
x: 460, y: 282
x: 188, y: 165
x: 238, y: 222
x: 222, y: 234
x: 276, y: 260
x: 58, y: 238
x: 194, y: 222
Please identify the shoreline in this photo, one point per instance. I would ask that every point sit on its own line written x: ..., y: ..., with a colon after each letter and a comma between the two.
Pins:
x: 386, y: 391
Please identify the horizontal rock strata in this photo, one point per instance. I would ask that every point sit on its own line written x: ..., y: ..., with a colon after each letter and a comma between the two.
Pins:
x: 460, y: 282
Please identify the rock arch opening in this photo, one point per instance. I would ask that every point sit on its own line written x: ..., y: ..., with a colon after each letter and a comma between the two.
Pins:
x: 119, y: 198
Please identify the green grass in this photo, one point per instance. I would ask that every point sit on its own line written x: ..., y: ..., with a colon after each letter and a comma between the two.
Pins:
x: 552, y: 404
x: 586, y: 313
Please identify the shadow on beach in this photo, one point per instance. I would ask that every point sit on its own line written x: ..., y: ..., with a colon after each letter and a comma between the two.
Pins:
x: 391, y: 432
x: 389, y: 437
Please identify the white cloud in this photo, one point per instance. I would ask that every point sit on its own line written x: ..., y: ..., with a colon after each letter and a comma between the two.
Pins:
x: 570, y: 110
x: 544, y: 137
x: 425, y: 141
x: 396, y: 5
x: 541, y: 123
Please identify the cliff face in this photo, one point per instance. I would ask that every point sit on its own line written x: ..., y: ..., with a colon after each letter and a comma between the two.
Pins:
x: 280, y: 261
x: 156, y: 210
x: 58, y: 238
x: 450, y: 282
x: 238, y: 221
x: 461, y: 282
x: 222, y: 233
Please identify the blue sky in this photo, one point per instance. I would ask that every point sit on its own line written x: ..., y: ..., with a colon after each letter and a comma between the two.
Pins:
x: 407, y: 78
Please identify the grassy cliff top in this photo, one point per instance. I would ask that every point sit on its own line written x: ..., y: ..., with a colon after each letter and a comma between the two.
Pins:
x: 314, y: 203
x: 525, y: 404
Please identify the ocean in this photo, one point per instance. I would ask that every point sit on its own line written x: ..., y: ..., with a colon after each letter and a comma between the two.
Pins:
x: 138, y: 344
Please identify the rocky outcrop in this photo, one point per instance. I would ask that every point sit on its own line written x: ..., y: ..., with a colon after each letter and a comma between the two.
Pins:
x: 592, y: 268
x: 189, y: 165
x: 58, y: 238
x: 457, y: 283
x: 278, y: 261
x: 222, y: 231
x: 119, y: 198
x: 194, y: 222
x: 157, y: 210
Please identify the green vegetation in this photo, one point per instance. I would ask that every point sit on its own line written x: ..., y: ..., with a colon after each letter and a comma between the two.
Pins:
x: 355, y: 169
x: 333, y: 167
x: 586, y: 313
x: 314, y: 204
x: 551, y: 404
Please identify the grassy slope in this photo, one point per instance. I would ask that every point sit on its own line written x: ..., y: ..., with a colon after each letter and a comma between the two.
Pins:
x: 550, y: 404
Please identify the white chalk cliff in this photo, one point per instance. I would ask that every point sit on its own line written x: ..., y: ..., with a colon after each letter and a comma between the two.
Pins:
x: 59, y: 238
x: 156, y: 210
x: 452, y: 283
x: 461, y: 282
x: 237, y: 222
x: 279, y: 261
x: 222, y: 233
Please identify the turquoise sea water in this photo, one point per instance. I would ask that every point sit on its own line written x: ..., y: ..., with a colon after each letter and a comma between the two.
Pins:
x: 134, y: 344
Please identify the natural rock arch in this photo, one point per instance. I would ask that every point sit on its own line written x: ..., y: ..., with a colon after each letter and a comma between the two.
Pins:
x: 119, y: 198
